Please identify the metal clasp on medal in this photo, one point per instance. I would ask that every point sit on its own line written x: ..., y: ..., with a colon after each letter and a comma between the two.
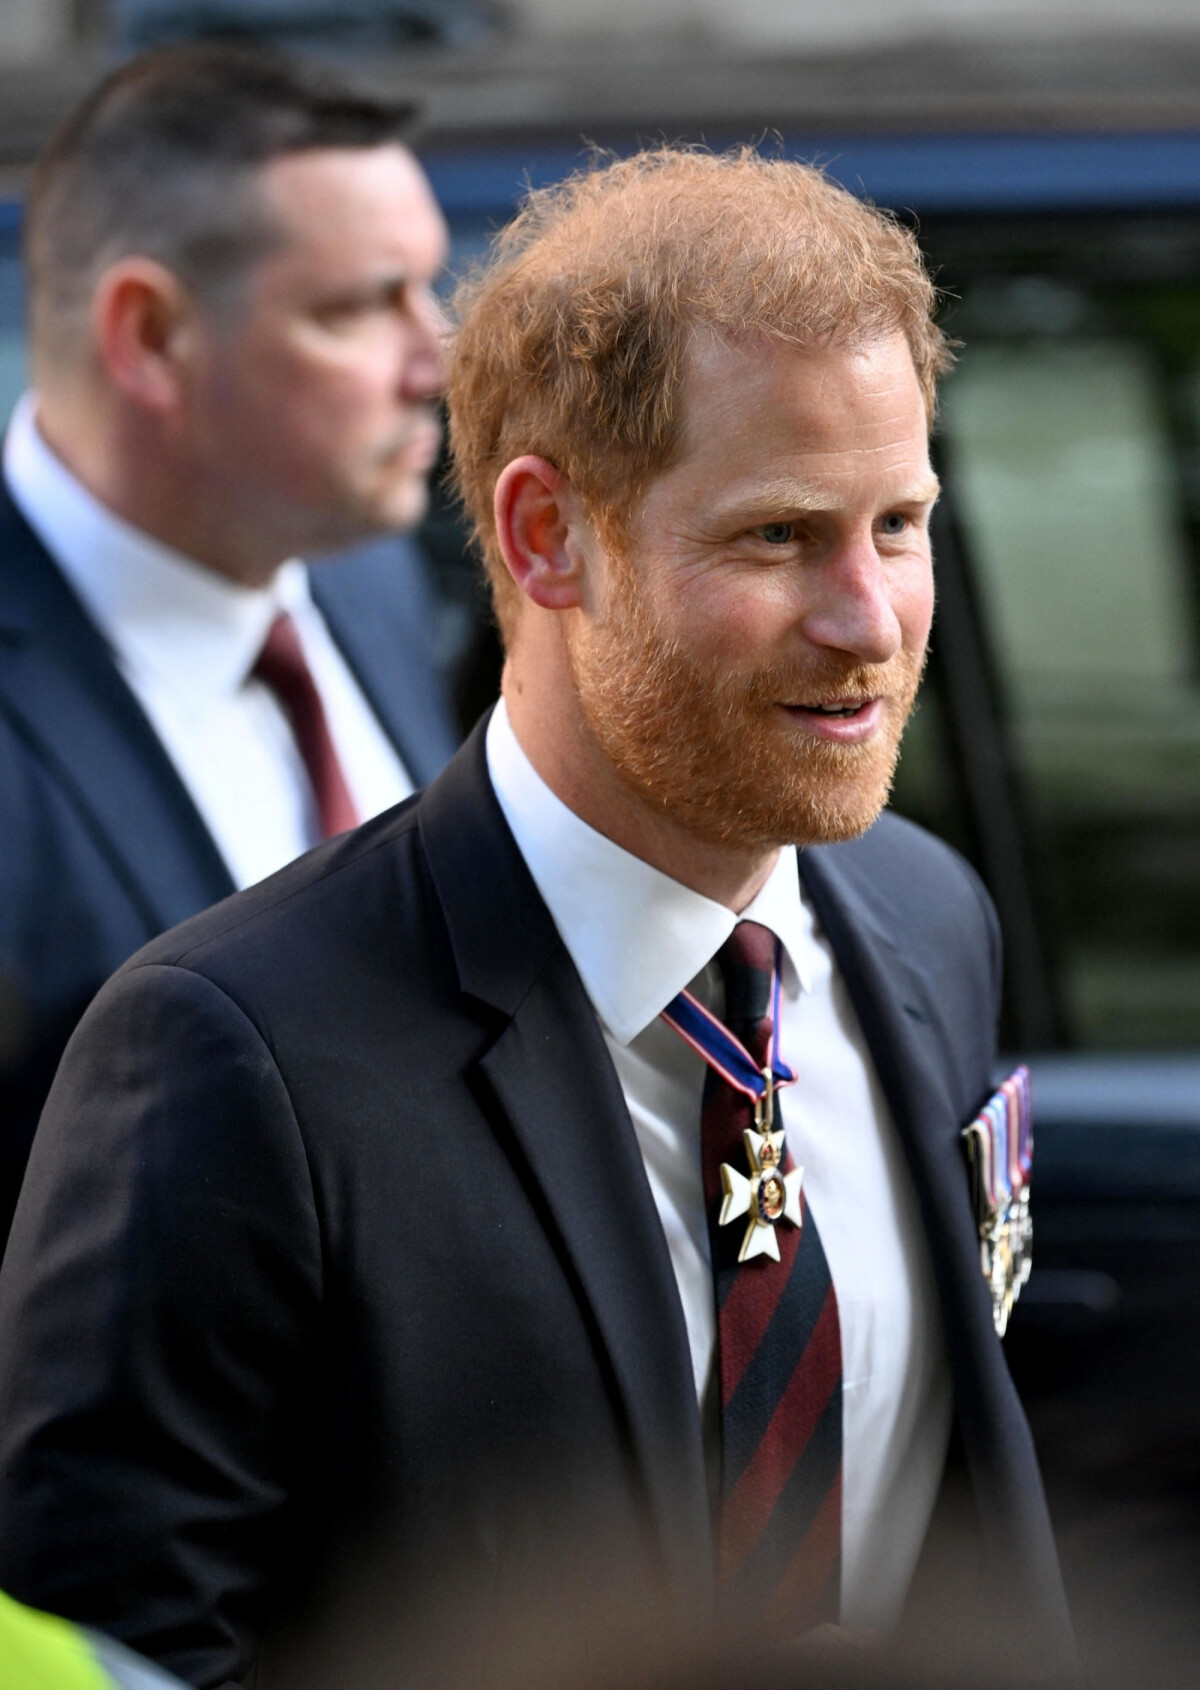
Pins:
x: 764, y: 1106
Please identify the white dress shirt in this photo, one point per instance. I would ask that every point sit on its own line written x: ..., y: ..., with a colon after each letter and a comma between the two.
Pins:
x: 637, y: 938
x: 185, y: 639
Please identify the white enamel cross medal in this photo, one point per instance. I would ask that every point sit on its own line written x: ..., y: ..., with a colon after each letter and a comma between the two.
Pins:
x: 769, y: 1195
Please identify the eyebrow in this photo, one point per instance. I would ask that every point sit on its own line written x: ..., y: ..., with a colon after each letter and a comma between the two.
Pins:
x: 387, y: 282
x: 789, y: 494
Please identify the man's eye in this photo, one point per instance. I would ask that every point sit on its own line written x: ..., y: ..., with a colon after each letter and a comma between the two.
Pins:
x: 895, y: 522
x: 340, y: 317
x: 355, y: 310
x: 776, y: 533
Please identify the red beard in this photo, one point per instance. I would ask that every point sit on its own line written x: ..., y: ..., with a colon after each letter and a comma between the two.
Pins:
x: 715, y: 752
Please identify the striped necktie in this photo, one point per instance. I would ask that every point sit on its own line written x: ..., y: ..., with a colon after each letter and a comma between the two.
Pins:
x: 779, y: 1353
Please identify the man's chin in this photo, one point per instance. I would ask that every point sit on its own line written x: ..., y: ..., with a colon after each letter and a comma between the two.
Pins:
x: 362, y: 517
x: 817, y: 821
x: 387, y: 506
x: 836, y: 792
x: 835, y: 826
x: 809, y: 806
x: 404, y: 505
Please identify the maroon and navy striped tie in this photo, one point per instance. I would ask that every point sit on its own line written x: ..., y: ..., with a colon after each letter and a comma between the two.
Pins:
x: 779, y: 1353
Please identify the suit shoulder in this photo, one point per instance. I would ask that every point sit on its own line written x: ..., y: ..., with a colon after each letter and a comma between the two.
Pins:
x: 914, y: 902
x: 897, y: 851
x: 311, y: 902
x: 919, y: 887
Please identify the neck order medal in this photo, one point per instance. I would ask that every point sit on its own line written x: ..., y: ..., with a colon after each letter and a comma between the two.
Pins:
x: 769, y: 1195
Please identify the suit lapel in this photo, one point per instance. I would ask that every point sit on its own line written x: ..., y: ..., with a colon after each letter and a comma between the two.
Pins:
x: 894, y: 1007
x: 899, y: 1016
x: 376, y: 606
x: 64, y: 694
x: 550, y: 1073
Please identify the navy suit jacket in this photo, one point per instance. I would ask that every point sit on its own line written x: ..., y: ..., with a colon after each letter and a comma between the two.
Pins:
x: 338, y: 1212
x: 101, y: 847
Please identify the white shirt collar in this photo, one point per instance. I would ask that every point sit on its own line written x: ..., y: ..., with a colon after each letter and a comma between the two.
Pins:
x: 636, y: 936
x: 163, y: 613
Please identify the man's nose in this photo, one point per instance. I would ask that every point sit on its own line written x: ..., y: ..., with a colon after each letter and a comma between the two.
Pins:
x: 424, y: 370
x: 851, y: 609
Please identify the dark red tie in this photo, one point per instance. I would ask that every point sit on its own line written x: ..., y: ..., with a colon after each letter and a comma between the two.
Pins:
x: 281, y: 667
x: 779, y: 1352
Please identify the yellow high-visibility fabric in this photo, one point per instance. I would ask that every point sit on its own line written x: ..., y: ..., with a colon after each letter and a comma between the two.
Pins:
x: 39, y: 1652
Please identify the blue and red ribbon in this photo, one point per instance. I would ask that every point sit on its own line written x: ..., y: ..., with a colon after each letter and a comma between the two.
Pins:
x: 724, y: 1053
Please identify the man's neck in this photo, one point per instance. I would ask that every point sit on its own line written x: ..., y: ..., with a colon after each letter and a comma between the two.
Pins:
x: 132, y: 480
x: 568, y: 758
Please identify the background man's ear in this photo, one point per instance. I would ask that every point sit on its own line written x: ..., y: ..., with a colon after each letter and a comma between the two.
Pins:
x: 143, y: 320
x: 535, y: 509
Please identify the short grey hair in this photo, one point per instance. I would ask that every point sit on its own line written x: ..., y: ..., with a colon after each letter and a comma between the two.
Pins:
x: 160, y: 161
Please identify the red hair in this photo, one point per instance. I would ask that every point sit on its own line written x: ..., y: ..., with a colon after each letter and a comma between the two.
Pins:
x: 573, y: 337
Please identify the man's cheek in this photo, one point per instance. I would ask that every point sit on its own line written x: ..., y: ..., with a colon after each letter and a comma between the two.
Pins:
x: 912, y: 604
x: 730, y: 626
x: 917, y: 625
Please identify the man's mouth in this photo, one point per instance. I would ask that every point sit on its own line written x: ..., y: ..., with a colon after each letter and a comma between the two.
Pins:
x: 421, y: 441
x: 847, y: 721
x: 840, y: 708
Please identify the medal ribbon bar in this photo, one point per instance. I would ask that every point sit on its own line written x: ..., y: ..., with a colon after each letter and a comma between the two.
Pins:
x: 999, y: 1143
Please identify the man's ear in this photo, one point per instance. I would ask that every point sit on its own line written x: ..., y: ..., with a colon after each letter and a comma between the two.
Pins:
x: 535, y: 512
x: 143, y: 320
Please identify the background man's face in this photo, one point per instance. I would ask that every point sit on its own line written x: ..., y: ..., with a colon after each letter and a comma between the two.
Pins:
x: 759, y: 648
x: 316, y: 403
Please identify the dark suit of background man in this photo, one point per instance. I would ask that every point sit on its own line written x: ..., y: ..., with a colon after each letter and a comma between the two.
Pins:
x: 235, y: 359
x: 382, y: 1206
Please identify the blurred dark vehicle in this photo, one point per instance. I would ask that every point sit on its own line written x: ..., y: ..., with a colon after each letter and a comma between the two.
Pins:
x: 1056, y: 184
x: 374, y: 26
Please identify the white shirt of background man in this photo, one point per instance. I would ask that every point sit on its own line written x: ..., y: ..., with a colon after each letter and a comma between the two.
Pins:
x: 185, y: 639
x: 637, y: 938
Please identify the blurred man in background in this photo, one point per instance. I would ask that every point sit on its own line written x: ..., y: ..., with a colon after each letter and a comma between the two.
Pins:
x: 236, y: 362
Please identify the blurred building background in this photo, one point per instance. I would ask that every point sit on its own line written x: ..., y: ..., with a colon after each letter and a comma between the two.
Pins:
x: 33, y: 29
x: 1050, y: 155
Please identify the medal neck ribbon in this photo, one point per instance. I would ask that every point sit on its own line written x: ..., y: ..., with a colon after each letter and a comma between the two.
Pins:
x: 725, y: 1054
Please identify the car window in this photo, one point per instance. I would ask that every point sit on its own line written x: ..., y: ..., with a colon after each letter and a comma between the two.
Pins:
x: 1071, y: 436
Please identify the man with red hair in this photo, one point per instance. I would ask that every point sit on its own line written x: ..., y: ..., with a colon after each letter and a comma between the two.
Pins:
x: 582, y: 1141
